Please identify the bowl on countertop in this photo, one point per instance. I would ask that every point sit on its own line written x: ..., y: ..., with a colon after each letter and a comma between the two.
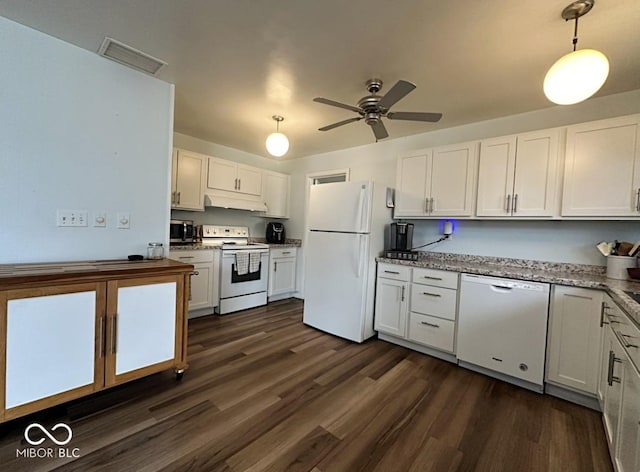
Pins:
x: 634, y: 273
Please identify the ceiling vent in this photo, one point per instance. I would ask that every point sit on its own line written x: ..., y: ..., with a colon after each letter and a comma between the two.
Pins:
x: 124, y: 54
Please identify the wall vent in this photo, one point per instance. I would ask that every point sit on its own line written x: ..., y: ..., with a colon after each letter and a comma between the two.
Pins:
x: 124, y: 54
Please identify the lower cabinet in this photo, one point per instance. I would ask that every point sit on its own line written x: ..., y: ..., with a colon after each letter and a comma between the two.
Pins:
x: 417, y: 305
x: 66, y: 339
x: 282, y: 272
x: 205, y: 281
x: 573, y: 348
x: 627, y: 455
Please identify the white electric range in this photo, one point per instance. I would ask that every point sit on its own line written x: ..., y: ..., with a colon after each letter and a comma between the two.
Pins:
x: 244, y: 267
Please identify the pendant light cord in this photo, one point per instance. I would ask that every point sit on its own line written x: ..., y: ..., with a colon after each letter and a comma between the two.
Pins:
x: 575, y: 34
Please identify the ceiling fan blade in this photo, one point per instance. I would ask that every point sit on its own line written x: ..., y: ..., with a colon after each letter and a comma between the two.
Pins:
x: 339, y: 123
x: 326, y: 101
x: 397, y: 93
x: 414, y: 116
x: 379, y: 130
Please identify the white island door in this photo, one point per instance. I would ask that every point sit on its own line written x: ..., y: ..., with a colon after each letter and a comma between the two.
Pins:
x: 336, y: 268
x: 142, y: 334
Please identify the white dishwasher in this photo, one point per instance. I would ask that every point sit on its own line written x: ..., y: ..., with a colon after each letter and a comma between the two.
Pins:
x: 502, y: 326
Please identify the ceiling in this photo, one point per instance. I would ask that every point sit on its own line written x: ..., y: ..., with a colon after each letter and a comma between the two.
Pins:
x: 235, y: 63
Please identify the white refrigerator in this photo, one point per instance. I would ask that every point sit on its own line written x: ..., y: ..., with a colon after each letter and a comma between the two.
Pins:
x: 346, y: 233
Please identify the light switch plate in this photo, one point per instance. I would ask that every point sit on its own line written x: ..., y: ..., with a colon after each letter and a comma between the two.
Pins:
x: 123, y: 220
x: 71, y: 218
x: 100, y: 220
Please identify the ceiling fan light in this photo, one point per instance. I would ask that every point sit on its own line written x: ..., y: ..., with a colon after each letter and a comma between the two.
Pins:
x: 277, y: 144
x: 576, y: 76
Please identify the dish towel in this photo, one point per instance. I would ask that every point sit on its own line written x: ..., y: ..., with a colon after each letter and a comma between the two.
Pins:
x: 254, y: 262
x: 242, y: 263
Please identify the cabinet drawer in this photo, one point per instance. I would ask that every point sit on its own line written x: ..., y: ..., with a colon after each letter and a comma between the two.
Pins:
x: 394, y: 271
x: 192, y: 257
x: 439, y: 278
x: 283, y: 252
x: 430, y: 331
x: 434, y: 301
x: 630, y: 337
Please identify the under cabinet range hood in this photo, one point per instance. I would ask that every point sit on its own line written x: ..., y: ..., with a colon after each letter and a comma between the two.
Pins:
x: 235, y: 203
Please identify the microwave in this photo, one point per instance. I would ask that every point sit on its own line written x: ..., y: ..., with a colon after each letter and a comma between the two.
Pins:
x: 181, y: 231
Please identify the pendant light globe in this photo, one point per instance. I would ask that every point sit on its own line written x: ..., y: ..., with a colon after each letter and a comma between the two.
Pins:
x: 576, y: 76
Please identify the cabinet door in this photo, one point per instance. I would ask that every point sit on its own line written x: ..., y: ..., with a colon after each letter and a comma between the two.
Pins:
x: 391, y: 307
x: 495, y: 176
x: 574, y: 338
x: 626, y: 456
x: 144, y: 328
x: 54, y: 345
x: 275, y: 192
x: 411, y: 185
x: 602, y: 168
x: 535, y: 184
x: 282, y: 278
x: 452, y: 180
x: 189, y: 189
x: 200, y: 295
x: 613, y: 395
x: 249, y: 180
x: 222, y: 175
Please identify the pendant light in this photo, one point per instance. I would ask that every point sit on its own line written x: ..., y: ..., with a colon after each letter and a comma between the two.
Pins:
x: 579, y: 74
x: 277, y: 143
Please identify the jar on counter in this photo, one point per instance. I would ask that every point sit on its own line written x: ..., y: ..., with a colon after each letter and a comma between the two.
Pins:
x: 155, y: 251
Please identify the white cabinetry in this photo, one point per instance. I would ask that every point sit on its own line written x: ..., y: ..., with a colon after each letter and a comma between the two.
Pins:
x: 392, y: 299
x: 602, y: 168
x: 518, y: 175
x: 205, y: 283
x: 233, y: 177
x: 275, y: 193
x: 187, y: 180
x: 574, y: 338
x: 282, y: 272
x: 627, y: 456
x: 437, y: 182
x: 433, y: 308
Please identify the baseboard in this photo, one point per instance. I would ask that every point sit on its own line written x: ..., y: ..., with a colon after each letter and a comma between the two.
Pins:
x: 445, y: 356
x: 572, y: 396
x: 500, y: 376
x: 200, y: 313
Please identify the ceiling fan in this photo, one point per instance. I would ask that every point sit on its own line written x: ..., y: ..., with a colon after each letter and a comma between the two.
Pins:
x: 372, y: 108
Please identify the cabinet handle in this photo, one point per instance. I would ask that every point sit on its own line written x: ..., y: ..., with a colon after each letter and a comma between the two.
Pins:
x: 239, y: 183
x: 391, y: 272
x: 186, y: 257
x: 612, y: 360
x: 275, y: 266
x: 496, y: 359
x: 627, y: 343
x: 402, y: 297
x: 603, y: 307
x: 506, y: 210
x: 114, y: 327
x: 431, y: 206
x: 638, y: 200
x: 429, y: 324
x: 426, y: 205
x: 431, y: 294
x: 286, y: 252
x: 431, y: 278
x: 515, y: 203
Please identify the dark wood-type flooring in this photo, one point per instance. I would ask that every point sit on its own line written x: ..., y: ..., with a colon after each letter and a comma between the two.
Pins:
x: 266, y: 393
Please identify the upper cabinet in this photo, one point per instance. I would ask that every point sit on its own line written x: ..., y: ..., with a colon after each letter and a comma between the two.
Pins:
x: 437, y: 182
x: 602, y: 169
x: 518, y: 175
x: 234, y: 177
x: 275, y: 193
x: 187, y: 180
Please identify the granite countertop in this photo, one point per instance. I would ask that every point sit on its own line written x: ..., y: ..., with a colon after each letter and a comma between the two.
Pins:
x: 573, y: 275
x: 200, y: 246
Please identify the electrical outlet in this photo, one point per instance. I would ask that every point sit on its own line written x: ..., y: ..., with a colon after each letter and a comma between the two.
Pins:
x: 72, y: 218
x: 123, y: 220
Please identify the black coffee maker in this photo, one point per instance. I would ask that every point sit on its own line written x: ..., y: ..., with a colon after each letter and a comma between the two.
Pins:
x: 401, y: 237
x: 275, y: 233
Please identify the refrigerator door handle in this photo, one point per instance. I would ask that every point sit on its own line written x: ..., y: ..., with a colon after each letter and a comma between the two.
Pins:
x: 360, y: 256
x: 361, y: 212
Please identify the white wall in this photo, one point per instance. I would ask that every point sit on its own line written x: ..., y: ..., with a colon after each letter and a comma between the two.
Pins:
x: 563, y: 241
x: 78, y: 132
x: 222, y: 216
